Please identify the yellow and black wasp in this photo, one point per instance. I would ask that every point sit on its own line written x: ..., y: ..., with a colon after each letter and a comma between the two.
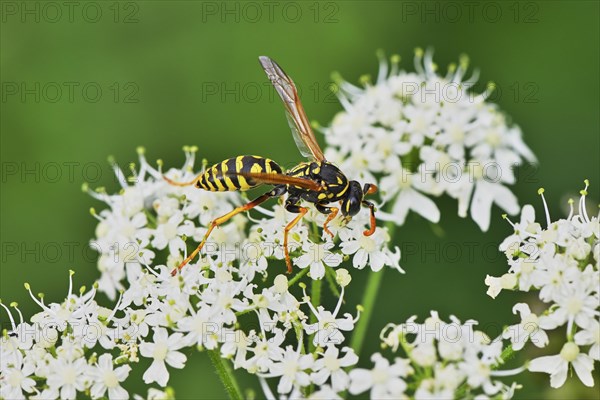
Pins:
x: 317, y: 181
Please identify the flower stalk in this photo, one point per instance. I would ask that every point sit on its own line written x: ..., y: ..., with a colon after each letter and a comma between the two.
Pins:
x: 225, y: 373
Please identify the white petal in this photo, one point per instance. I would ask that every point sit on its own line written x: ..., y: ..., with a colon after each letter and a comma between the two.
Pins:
x: 547, y: 364
x: 505, y: 199
x: 522, y: 308
x: 481, y: 205
x: 360, y: 381
x: 401, y: 207
x: 176, y: 359
x: 317, y: 270
x: 558, y: 378
x: 360, y: 259
x: 584, y: 366
x: 157, y: 373
x: 117, y: 393
x: 424, y: 206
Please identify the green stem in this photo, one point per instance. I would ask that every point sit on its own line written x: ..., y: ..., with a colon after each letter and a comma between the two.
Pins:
x: 225, y: 373
x: 330, y: 276
x: 315, y: 299
x: 249, y: 310
x: 297, y: 277
x: 368, y: 303
x: 506, y: 355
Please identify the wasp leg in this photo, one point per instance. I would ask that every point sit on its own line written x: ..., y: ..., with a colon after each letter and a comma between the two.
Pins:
x: 371, y: 230
x: 332, y: 212
x: 277, y: 191
x: 190, y: 183
x: 291, y: 206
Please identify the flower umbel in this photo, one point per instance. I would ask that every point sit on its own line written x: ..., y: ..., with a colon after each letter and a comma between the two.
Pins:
x: 560, y: 264
x: 426, y: 134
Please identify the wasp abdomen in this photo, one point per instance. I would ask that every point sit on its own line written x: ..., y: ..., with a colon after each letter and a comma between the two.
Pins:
x: 222, y: 177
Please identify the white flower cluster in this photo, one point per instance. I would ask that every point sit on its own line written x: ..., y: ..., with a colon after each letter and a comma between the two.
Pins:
x: 418, y: 135
x: 51, y: 357
x: 141, y: 238
x: 435, y: 360
x: 426, y: 135
x: 559, y: 264
x: 150, y: 217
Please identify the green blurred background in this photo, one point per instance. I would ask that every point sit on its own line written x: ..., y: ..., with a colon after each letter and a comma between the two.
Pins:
x: 186, y: 72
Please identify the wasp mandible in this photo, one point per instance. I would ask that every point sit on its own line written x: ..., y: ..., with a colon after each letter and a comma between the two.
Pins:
x: 317, y: 181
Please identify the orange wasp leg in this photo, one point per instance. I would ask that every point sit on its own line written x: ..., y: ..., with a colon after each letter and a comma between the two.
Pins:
x: 288, y: 262
x: 371, y: 230
x: 221, y: 220
x: 332, y: 214
x: 370, y: 189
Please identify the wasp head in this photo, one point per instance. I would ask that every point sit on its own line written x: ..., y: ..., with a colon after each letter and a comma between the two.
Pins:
x: 354, y: 200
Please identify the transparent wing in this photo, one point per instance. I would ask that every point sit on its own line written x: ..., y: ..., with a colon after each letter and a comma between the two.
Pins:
x: 302, y: 146
x: 296, y: 116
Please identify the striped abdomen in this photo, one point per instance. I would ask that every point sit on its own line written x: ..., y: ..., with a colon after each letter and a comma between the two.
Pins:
x: 220, y: 177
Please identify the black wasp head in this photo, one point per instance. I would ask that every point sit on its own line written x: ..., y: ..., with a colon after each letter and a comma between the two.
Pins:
x: 353, y: 200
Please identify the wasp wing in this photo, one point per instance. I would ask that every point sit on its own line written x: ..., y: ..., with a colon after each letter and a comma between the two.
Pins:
x: 278, y: 179
x: 296, y: 116
x: 300, y: 144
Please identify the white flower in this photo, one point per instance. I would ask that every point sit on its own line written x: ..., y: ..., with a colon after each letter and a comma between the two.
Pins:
x: 108, y: 378
x: 317, y: 256
x: 266, y: 351
x: 330, y: 364
x: 384, y: 381
x: 447, y: 378
x: 66, y: 377
x: 328, y: 328
x: 155, y: 394
x: 478, y: 370
x: 525, y: 228
x: 201, y: 330
x: 590, y: 336
x: 406, y: 187
x: 575, y: 305
x: 428, y: 135
x: 272, y: 231
x: 556, y: 263
x: 163, y: 349
x: 15, y: 379
x: 235, y: 345
x: 424, y: 354
x: 531, y: 327
x: 485, y: 195
x: 557, y: 366
x: 325, y: 392
x: 73, y: 311
x: 20, y: 338
x: 506, y: 281
x: 170, y: 232
x: 467, y: 358
x: 292, y: 369
x: 369, y: 250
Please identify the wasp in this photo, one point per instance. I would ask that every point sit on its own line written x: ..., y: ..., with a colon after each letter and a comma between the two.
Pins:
x: 316, y: 181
